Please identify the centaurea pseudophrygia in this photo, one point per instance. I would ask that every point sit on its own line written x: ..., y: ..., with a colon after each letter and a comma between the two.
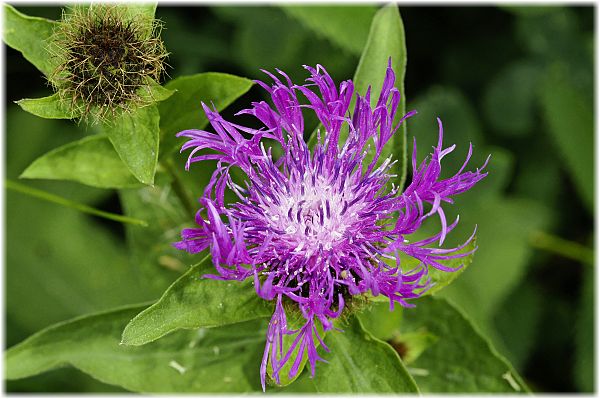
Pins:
x: 316, y: 228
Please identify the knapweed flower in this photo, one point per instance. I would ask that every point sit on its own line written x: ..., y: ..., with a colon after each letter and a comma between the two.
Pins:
x: 314, y: 229
x: 106, y: 56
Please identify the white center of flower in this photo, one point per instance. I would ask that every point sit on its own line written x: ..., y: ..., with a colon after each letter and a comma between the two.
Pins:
x: 313, y: 215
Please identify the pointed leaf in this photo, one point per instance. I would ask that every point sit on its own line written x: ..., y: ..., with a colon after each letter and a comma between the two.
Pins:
x: 205, y: 360
x: 184, y: 111
x: 50, y: 107
x: 135, y: 138
x: 195, y: 302
x: 460, y: 360
x: 91, y: 160
x: 386, y: 39
x: 29, y: 35
x: 361, y: 363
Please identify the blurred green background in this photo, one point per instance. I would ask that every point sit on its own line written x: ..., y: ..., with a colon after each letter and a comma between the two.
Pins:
x: 517, y: 82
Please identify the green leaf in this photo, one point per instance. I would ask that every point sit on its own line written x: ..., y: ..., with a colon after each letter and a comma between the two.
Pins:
x: 91, y: 160
x: 135, y: 137
x: 145, y: 10
x: 152, y: 92
x: 379, y: 320
x: 331, y: 22
x: 360, y: 363
x: 195, y: 302
x: 29, y: 35
x: 570, y: 121
x: 461, y: 360
x: 50, y: 107
x: 386, y: 39
x: 183, y: 110
x: 205, y: 360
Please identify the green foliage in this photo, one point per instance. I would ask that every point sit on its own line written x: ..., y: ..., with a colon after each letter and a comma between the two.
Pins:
x: 499, y: 267
x: 135, y: 137
x: 331, y: 22
x: 50, y: 107
x: 570, y: 122
x: 379, y: 320
x: 196, y: 302
x: 184, y: 111
x: 91, y: 160
x: 205, y: 360
x: 460, y: 360
x: 29, y: 35
x: 386, y: 39
x: 361, y: 363
x: 62, y: 264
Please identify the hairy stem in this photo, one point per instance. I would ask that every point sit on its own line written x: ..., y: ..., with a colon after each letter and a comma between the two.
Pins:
x: 560, y: 246
x: 44, y: 195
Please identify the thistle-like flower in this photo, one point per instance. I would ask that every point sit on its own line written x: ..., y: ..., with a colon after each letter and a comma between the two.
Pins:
x: 315, y: 229
x: 105, y: 57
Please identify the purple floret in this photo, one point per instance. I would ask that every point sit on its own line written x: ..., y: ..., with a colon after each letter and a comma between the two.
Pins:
x: 317, y: 228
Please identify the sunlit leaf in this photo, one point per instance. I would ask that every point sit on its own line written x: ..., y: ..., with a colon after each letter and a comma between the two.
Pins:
x: 196, y: 302
x: 29, y: 35
x: 386, y: 39
x: 91, y: 160
x: 183, y: 110
x: 48, y: 107
x: 135, y: 137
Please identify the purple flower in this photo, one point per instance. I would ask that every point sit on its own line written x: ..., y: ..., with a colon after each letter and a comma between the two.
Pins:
x: 315, y: 228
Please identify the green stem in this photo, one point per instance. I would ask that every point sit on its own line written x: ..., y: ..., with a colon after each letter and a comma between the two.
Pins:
x: 179, y: 188
x: 560, y: 246
x: 44, y: 195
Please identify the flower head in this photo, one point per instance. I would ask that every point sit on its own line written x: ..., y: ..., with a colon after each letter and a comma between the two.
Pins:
x: 315, y: 229
x: 105, y: 56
